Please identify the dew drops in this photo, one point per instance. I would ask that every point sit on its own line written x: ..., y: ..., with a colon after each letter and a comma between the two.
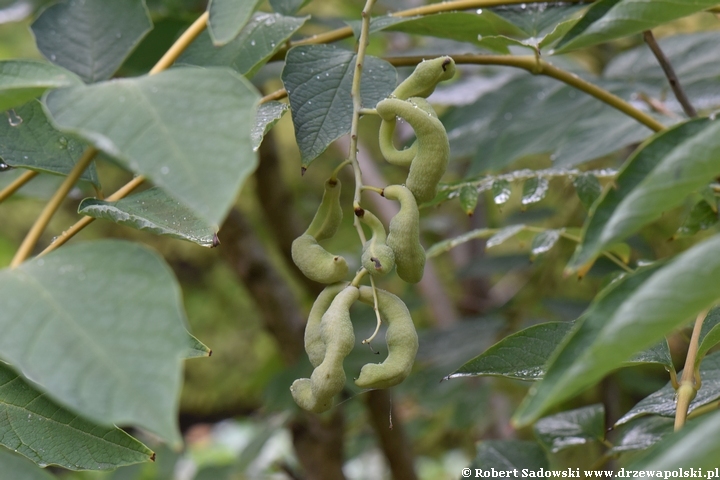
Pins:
x: 62, y: 143
x: 523, y: 6
x: 53, y: 57
x: 508, y: 116
x: 13, y: 118
x: 118, y: 35
x: 164, y: 170
x: 4, y: 166
x: 479, y: 11
x: 252, y: 42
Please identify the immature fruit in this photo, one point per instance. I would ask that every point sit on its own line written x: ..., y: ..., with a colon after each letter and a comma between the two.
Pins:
x: 427, y: 74
x: 328, y: 379
x: 401, y: 338
x: 432, y: 149
x: 314, y: 344
x: 315, y: 262
x: 404, y: 235
x: 329, y: 214
x: 377, y: 257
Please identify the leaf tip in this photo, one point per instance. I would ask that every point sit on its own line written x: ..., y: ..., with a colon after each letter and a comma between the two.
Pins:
x: 152, y: 457
x: 302, y: 171
x: 215, y: 241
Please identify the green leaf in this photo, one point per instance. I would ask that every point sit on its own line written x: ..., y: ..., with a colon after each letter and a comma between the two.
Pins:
x: 449, y: 244
x: 154, y: 211
x: 521, y: 356
x: 34, y: 144
x: 36, y: 427
x: 641, y: 434
x: 696, y: 445
x: 635, y: 199
x: 458, y: 26
x: 91, y: 37
x: 502, y: 44
x: 187, y: 129
x: 318, y: 80
x: 196, y: 348
x: 102, y: 332
x: 709, y: 333
x: 631, y: 315
x: 534, y: 190
x: 570, y: 428
x: 288, y: 7
x: 588, y: 189
x: 20, y: 469
x: 509, y: 455
x: 544, y: 241
x: 468, y: 199
x: 228, y: 17
x: 501, y: 191
x: 663, y: 401
x: 701, y: 217
x: 550, y: 117
x: 23, y: 80
x: 268, y: 114
x: 610, y: 19
x: 537, y: 20
x: 265, y: 34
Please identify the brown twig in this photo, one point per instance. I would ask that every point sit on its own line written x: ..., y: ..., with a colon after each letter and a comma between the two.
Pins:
x: 670, y: 74
x: 17, y: 184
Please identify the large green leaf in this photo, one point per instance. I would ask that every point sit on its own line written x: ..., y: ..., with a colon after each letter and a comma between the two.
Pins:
x: 318, y: 79
x: 635, y: 198
x: 570, y: 428
x: 33, y: 143
x: 610, y: 19
x: 696, y: 445
x: 288, y: 7
x: 509, y: 455
x: 187, y: 129
x: 537, y: 20
x: 695, y: 59
x: 154, y: 211
x: 641, y: 434
x: 17, y: 468
x: 524, y: 354
x: 228, y: 17
x: 628, y: 317
x: 264, y: 35
x: 268, y: 114
x: 663, y: 401
x: 102, y: 332
x: 91, y: 37
x: 550, y: 118
x: 36, y: 427
x: 23, y: 80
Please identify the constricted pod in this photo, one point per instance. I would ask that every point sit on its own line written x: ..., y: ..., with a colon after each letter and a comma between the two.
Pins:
x: 425, y: 77
x: 431, y: 149
x: 401, y: 339
x: 329, y: 214
x: 314, y: 344
x: 315, y: 262
x: 316, y: 393
x: 377, y: 257
x: 404, y: 235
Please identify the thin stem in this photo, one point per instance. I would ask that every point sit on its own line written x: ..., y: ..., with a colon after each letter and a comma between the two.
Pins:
x: 670, y: 74
x: 181, y: 44
x: 123, y: 192
x: 377, y: 313
x: 51, y: 207
x: 370, y: 188
x: 357, y: 99
x: 605, y: 253
x: 538, y: 66
x: 368, y: 111
x: 17, y: 184
x: 276, y: 95
x: 361, y: 273
x: 337, y: 170
x: 689, y: 381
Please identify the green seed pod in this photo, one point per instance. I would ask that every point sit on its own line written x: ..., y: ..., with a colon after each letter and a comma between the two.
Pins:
x: 329, y: 214
x: 433, y: 148
x: 401, y: 339
x: 427, y: 74
x: 328, y: 379
x: 316, y: 263
x: 377, y: 257
x: 404, y: 236
x: 401, y: 158
x: 314, y: 345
